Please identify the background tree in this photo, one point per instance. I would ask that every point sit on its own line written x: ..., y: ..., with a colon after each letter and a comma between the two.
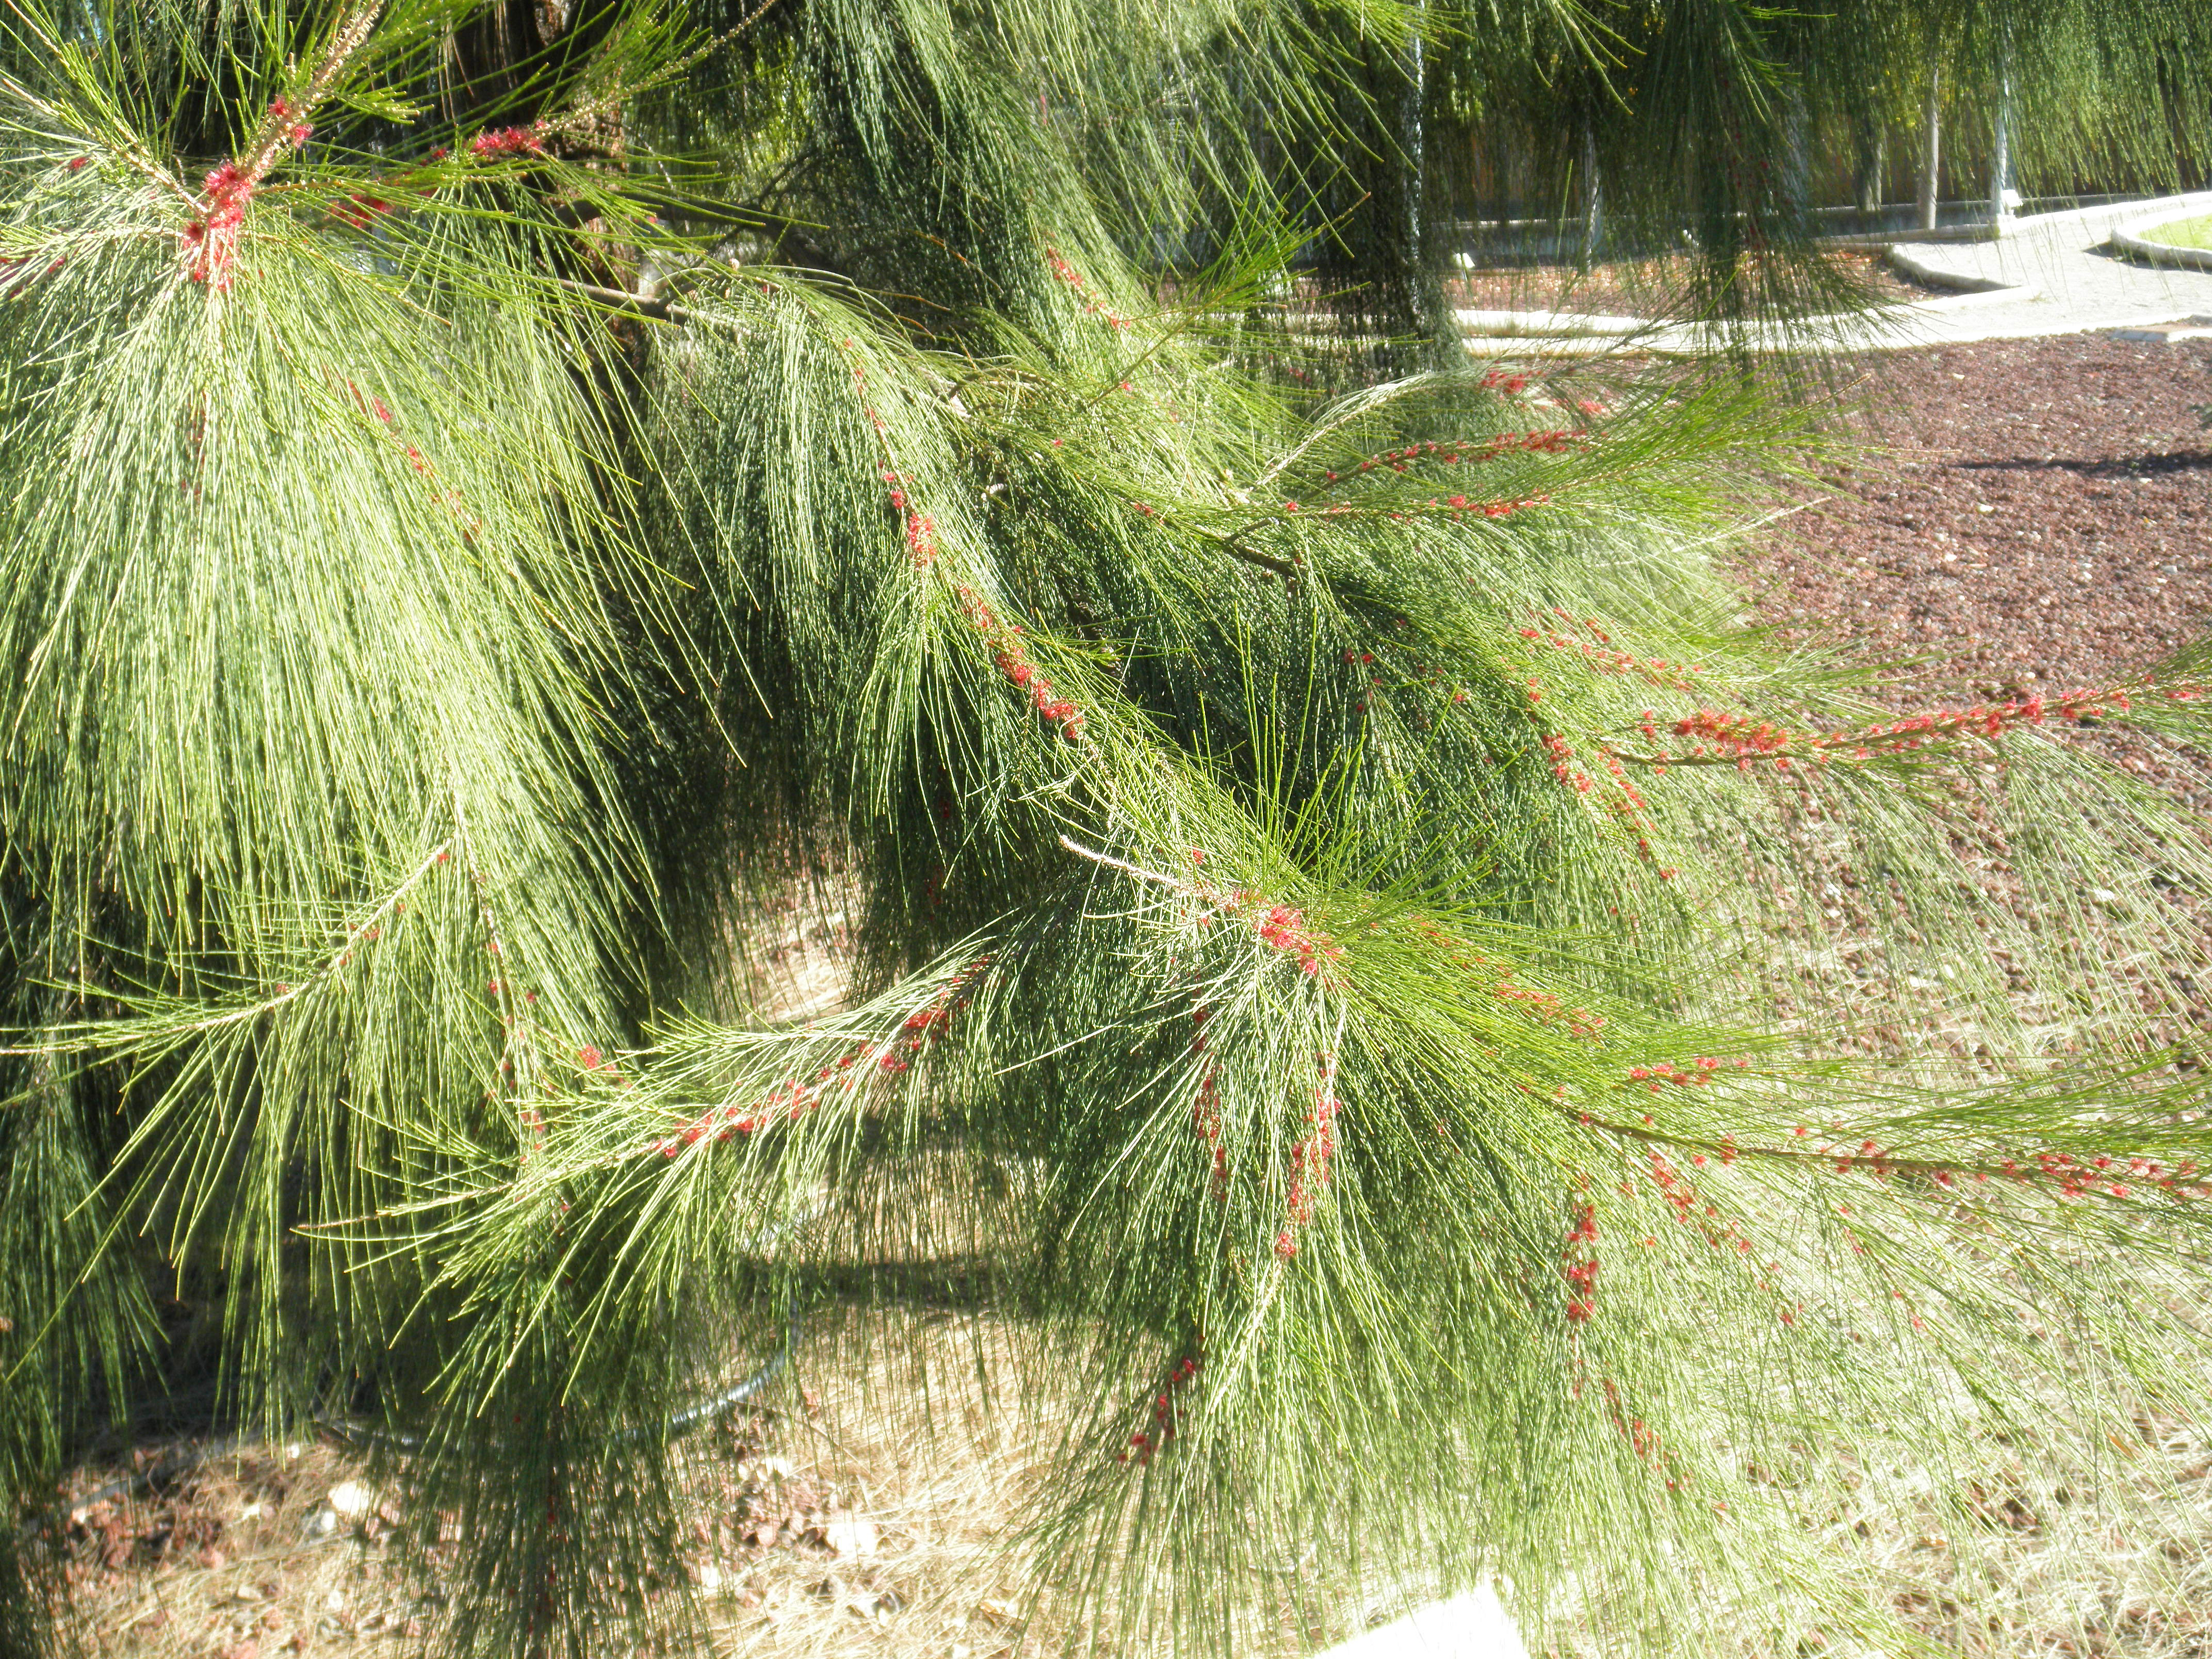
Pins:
x: 504, y: 505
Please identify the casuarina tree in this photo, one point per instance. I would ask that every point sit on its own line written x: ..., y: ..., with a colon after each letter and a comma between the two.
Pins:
x: 1415, y: 1022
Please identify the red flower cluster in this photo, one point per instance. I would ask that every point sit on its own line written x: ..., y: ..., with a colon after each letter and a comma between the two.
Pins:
x: 2074, y: 1176
x: 1718, y: 1231
x: 1454, y: 451
x: 1739, y: 739
x: 1738, y: 735
x: 1460, y: 506
x: 1310, y: 1159
x: 1068, y: 274
x: 369, y: 405
x: 1145, y: 1442
x: 1006, y: 641
x: 1547, y: 1005
x: 1641, y: 1438
x: 1625, y: 803
x: 1598, y: 651
x: 1563, y: 767
x: 788, y: 1099
x: 509, y: 141
x: 1629, y: 806
x: 795, y: 1097
x: 1581, y: 1272
x: 1498, y: 381
x: 921, y: 528
x: 1701, y: 1071
x: 296, y: 134
x: 1285, y: 928
x: 451, y: 499
x: 2099, y: 1172
x: 210, y: 241
x: 358, y: 210
x: 1205, y: 1108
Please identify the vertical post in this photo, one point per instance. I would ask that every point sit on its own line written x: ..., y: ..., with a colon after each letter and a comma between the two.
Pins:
x: 1414, y: 122
x: 1872, y: 162
x: 1593, y: 203
x: 1797, y: 175
x: 1931, y: 142
x: 2003, y: 197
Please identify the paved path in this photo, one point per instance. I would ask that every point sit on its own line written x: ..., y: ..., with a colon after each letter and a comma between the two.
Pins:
x: 2052, y: 275
x: 2077, y: 283
x: 1470, y: 1626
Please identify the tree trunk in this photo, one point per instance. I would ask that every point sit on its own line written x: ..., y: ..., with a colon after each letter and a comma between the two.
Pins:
x: 1931, y: 139
x: 1380, y: 253
x: 1797, y: 158
x: 1593, y: 200
x: 1873, y: 163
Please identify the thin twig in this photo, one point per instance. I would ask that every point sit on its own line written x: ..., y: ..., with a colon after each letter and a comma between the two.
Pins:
x: 1282, y: 568
x: 607, y: 102
x: 623, y: 300
x: 276, y: 128
x: 1880, y: 1164
x: 1375, y: 398
x: 1111, y: 862
x: 291, y: 992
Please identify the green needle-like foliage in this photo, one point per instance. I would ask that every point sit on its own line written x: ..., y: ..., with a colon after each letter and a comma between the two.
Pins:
x: 1343, y: 917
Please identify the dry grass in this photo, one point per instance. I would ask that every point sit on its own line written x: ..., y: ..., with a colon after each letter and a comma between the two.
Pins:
x: 868, y: 1514
x: 870, y: 1520
x: 902, y: 1476
x: 242, y: 1556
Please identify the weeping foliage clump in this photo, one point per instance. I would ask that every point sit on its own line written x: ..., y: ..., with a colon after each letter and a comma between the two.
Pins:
x: 511, y: 512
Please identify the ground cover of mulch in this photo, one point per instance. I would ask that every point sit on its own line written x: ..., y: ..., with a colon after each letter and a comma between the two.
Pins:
x: 2040, y: 518
x: 1645, y: 289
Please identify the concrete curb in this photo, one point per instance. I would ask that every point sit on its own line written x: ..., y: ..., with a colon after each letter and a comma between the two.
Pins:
x: 1533, y: 333
x: 2130, y: 239
x: 1547, y: 324
x: 2069, y: 300
x: 1970, y: 286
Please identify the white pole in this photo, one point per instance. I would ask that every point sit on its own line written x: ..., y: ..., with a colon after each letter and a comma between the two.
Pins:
x: 1931, y: 132
x: 2003, y: 197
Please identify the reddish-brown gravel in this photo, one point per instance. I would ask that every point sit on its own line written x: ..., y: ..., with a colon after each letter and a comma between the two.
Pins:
x: 2042, y: 517
x: 1636, y: 290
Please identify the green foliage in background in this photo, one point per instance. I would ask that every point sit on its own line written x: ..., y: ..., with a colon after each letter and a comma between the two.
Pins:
x: 512, y: 516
